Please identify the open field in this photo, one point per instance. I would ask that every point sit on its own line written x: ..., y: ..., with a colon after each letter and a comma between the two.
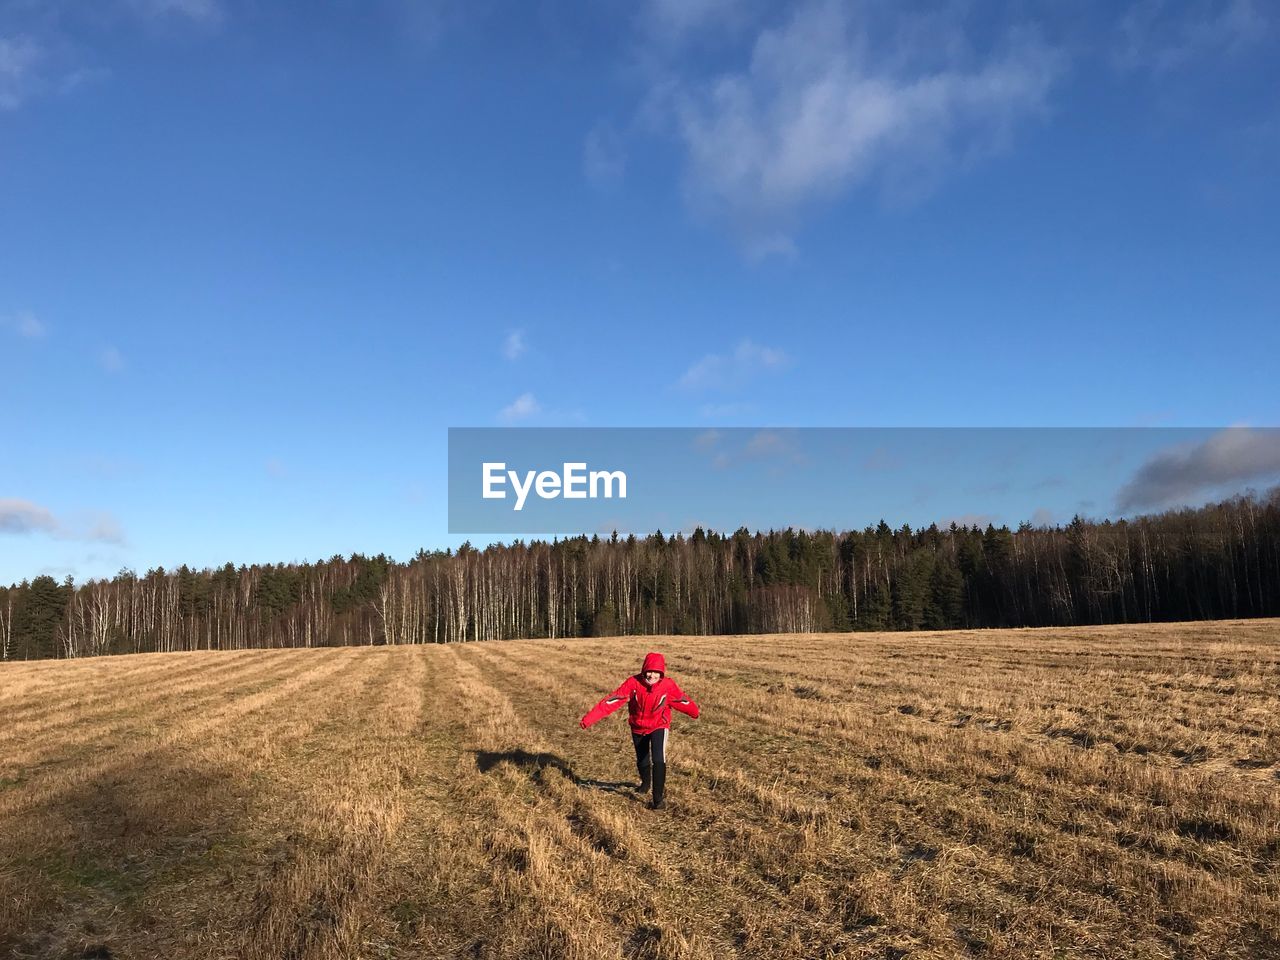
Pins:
x: 1104, y: 792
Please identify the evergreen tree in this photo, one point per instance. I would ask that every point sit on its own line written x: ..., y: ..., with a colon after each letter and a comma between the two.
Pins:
x: 38, y: 615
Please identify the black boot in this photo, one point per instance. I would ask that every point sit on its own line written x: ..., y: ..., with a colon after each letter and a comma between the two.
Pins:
x: 659, y: 784
x: 645, y: 778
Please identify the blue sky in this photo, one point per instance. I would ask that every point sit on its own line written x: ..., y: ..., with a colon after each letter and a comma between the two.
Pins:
x: 255, y: 259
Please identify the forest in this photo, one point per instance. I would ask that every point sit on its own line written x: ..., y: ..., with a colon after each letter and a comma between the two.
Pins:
x: 1218, y: 561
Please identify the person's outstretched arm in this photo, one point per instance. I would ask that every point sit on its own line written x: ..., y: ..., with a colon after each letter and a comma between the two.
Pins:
x: 612, y: 702
x: 680, y: 701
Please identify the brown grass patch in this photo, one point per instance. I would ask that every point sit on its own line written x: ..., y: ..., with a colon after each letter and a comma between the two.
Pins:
x: 1107, y: 792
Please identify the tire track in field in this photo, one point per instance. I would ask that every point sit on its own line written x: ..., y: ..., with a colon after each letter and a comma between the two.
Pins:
x: 531, y: 861
x: 271, y: 691
x: 104, y: 683
x: 71, y: 676
x: 429, y: 894
x: 91, y: 676
x: 304, y: 860
x: 75, y: 737
x: 216, y: 780
x: 471, y: 877
x: 346, y: 802
x: 125, y: 702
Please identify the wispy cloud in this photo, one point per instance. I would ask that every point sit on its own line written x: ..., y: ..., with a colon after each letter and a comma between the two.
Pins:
x: 514, y: 345
x: 25, y: 324
x: 1161, y: 36
x: 47, y: 48
x: 23, y: 517
x: 881, y: 458
x: 719, y: 371
x: 521, y: 408
x: 775, y: 447
x: 979, y: 520
x: 102, y: 528
x: 707, y: 440
x: 199, y: 11
x: 1043, y: 517
x: 672, y: 21
x: 989, y: 488
x: 834, y: 98
x: 111, y: 360
x: 1235, y: 456
x: 420, y: 26
x: 276, y: 468
x: 725, y: 411
x: 768, y: 443
x: 19, y: 57
x: 604, y: 156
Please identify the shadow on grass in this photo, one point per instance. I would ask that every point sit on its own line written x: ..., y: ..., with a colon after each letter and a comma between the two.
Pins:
x: 537, y: 763
x: 610, y: 786
x: 91, y: 857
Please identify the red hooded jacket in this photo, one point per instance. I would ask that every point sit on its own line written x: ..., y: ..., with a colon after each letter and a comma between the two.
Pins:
x: 648, y: 707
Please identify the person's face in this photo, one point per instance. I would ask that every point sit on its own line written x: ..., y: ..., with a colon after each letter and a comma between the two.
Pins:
x: 651, y: 677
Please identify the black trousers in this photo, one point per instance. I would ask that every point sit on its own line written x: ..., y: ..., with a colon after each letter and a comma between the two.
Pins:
x: 651, y: 760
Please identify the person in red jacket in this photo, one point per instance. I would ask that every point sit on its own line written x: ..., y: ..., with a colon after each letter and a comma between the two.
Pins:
x: 650, y: 696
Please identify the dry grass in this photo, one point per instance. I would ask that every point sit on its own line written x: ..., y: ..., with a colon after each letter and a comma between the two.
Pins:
x: 1106, y: 792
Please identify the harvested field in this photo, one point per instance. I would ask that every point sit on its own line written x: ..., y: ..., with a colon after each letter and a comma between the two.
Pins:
x: 1103, y: 792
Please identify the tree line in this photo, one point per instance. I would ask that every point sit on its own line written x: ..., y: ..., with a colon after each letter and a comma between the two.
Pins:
x: 1217, y: 561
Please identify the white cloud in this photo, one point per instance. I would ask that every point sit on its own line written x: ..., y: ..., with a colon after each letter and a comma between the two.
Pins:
x: 19, y: 57
x: 1160, y: 36
x: 514, y: 345
x: 832, y: 99
x: 707, y: 439
x: 111, y: 360
x: 1043, y: 518
x: 669, y: 25
x: 768, y: 443
x: 881, y: 458
x: 680, y: 17
x: 1234, y: 456
x: 102, y: 528
x: 979, y: 520
x: 58, y: 573
x: 25, y: 324
x: 725, y: 411
x: 21, y: 517
x: 200, y: 11
x: 81, y: 77
x: 521, y: 408
x: 727, y: 370
x: 775, y: 447
x: 604, y: 156
x: 46, y: 45
x: 420, y: 26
